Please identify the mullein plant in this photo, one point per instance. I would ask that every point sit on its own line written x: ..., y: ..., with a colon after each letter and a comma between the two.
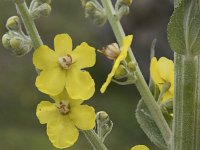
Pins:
x: 168, y: 111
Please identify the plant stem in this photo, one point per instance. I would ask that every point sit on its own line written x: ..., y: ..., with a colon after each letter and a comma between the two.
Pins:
x: 35, y: 37
x: 94, y: 140
x: 140, y: 83
x: 186, y: 103
x: 28, y: 23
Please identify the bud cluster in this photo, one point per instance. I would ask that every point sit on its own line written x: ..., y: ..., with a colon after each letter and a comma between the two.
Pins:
x: 40, y: 8
x: 15, y: 39
x: 95, y: 12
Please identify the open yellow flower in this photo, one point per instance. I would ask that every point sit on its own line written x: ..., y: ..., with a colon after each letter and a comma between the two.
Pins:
x: 162, y: 72
x: 64, y: 118
x: 62, y: 68
x: 124, y: 50
x: 140, y: 147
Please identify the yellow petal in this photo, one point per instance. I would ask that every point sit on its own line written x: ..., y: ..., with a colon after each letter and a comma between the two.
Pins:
x: 51, y: 82
x: 79, y: 84
x: 47, y: 112
x: 62, y: 132
x: 45, y: 58
x: 63, y: 44
x: 140, y: 147
x: 84, y: 56
x: 154, y: 72
x: 64, y: 96
x: 167, y: 96
x: 83, y: 116
x: 165, y: 66
x: 124, y: 50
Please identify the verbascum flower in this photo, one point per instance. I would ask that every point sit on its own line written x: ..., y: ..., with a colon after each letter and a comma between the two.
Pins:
x: 62, y: 69
x: 162, y: 72
x: 122, y: 55
x: 64, y: 118
x: 140, y: 147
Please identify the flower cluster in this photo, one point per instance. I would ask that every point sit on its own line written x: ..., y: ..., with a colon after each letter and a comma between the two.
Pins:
x: 63, y: 78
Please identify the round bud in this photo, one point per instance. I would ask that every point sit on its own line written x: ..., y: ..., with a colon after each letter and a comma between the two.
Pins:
x: 132, y: 66
x: 120, y: 72
x: 16, y: 43
x: 6, y: 41
x: 13, y: 23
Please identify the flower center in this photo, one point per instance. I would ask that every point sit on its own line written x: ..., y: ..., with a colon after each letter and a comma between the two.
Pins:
x: 65, y: 61
x: 63, y: 107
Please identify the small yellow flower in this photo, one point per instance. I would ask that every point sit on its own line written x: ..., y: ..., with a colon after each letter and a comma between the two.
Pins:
x: 140, y: 147
x: 64, y: 118
x: 162, y: 72
x: 62, y: 68
x: 124, y: 50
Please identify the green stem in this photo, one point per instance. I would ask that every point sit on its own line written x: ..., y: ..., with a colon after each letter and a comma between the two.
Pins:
x: 140, y: 83
x: 35, y: 37
x: 186, y: 104
x: 29, y: 23
x: 94, y: 140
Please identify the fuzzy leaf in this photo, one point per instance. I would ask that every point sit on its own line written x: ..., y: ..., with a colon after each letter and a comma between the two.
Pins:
x: 148, y: 125
x: 184, y: 28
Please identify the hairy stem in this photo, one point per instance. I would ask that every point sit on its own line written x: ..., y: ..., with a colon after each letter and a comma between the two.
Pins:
x: 28, y: 23
x: 94, y: 140
x: 140, y: 83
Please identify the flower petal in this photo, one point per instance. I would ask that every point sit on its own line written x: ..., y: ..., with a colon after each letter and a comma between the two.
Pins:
x: 62, y: 133
x: 140, y: 147
x: 79, y: 84
x: 165, y: 67
x: 154, y: 72
x: 124, y: 50
x: 65, y: 96
x: 83, y: 116
x: 84, y: 56
x: 51, y: 82
x: 47, y: 112
x: 63, y: 44
x: 45, y: 58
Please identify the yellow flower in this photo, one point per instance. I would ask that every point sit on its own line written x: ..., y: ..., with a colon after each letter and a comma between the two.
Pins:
x: 140, y: 147
x: 124, y: 50
x: 62, y: 68
x: 162, y: 72
x: 64, y: 118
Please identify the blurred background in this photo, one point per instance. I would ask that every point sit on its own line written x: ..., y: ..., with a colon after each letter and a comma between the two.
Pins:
x: 19, y: 127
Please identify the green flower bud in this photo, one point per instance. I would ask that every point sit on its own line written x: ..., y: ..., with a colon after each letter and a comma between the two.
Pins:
x: 102, y: 115
x: 95, y: 12
x: 13, y: 23
x: 132, y: 66
x: 41, y: 11
x: 16, y: 43
x: 6, y: 41
x: 121, y: 72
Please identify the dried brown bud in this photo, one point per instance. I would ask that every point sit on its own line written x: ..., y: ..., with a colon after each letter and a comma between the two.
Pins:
x: 111, y: 51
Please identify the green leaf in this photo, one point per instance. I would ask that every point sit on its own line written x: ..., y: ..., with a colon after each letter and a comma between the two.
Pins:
x: 148, y: 125
x: 184, y: 28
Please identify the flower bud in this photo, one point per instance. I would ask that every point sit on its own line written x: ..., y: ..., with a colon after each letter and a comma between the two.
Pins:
x: 95, y: 12
x: 127, y: 2
x: 41, y: 11
x: 132, y: 66
x: 6, y: 41
x: 102, y: 115
x: 16, y: 43
x: 111, y: 51
x: 13, y: 23
x: 121, y: 72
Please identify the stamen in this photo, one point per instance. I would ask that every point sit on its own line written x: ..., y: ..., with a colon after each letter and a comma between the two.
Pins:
x: 63, y: 107
x: 65, y: 61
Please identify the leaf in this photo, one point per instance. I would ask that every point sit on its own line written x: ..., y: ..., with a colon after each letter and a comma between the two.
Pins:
x: 184, y: 28
x: 148, y: 125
